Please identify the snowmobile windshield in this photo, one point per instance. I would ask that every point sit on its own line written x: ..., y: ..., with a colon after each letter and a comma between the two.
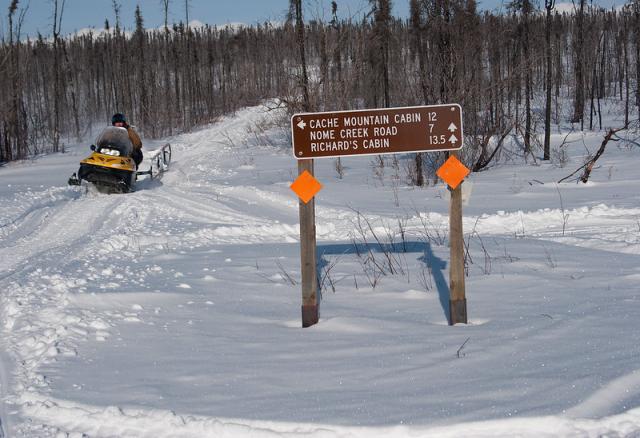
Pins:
x: 114, y: 138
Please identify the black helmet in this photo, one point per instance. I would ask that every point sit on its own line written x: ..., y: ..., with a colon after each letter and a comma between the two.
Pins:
x: 118, y: 117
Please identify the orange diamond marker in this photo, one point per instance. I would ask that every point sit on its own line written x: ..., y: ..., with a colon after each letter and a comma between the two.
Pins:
x: 453, y: 172
x: 306, y: 186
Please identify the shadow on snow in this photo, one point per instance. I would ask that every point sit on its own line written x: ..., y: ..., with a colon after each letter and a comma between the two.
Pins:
x: 428, y: 258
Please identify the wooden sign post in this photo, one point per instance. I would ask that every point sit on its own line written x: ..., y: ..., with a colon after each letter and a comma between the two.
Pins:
x: 453, y: 173
x: 374, y: 132
x: 457, y: 297
x: 310, y: 302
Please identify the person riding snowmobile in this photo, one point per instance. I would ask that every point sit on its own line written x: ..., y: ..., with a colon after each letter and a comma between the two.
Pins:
x: 120, y: 121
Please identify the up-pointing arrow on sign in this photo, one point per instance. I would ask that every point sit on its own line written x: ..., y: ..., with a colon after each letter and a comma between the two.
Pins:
x: 302, y: 124
x: 452, y: 127
x: 453, y: 139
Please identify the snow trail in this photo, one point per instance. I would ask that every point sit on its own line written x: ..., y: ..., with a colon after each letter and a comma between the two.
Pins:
x: 609, y: 398
x: 172, y: 311
x: 114, y: 422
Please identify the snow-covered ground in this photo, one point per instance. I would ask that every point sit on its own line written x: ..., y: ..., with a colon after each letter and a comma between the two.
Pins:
x: 174, y: 311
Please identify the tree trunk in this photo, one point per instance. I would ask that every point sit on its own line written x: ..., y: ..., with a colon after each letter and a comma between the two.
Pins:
x: 303, y: 59
x: 547, y: 109
x: 578, y: 103
x: 637, y: 35
x: 56, y: 79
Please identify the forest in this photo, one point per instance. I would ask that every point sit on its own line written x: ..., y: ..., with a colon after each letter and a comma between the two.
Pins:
x: 515, y: 74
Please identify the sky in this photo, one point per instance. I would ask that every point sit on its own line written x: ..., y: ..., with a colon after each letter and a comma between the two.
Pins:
x: 79, y: 14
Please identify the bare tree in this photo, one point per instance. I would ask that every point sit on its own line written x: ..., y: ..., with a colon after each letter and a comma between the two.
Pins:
x: 587, y: 167
x: 379, y: 54
x: 166, y: 89
x: 14, y: 129
x: 116, y: 10
x: 58, y: 11
x: 548, y: 5
x: 636, y: 26
x: 578, y: 102
x: 165, y: 11
x: 295, y: 11
x: 140, y: 38
x: 417, y: 46
x: 526, y: 8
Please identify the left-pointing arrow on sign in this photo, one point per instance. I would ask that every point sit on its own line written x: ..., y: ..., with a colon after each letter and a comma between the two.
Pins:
x: 302, y: 124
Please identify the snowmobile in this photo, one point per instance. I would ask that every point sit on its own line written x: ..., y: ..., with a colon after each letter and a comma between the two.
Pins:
x: 111, y: 166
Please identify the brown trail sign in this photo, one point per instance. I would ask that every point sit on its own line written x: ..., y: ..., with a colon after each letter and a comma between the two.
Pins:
x: 377, y: 131
x: 373, y: 132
